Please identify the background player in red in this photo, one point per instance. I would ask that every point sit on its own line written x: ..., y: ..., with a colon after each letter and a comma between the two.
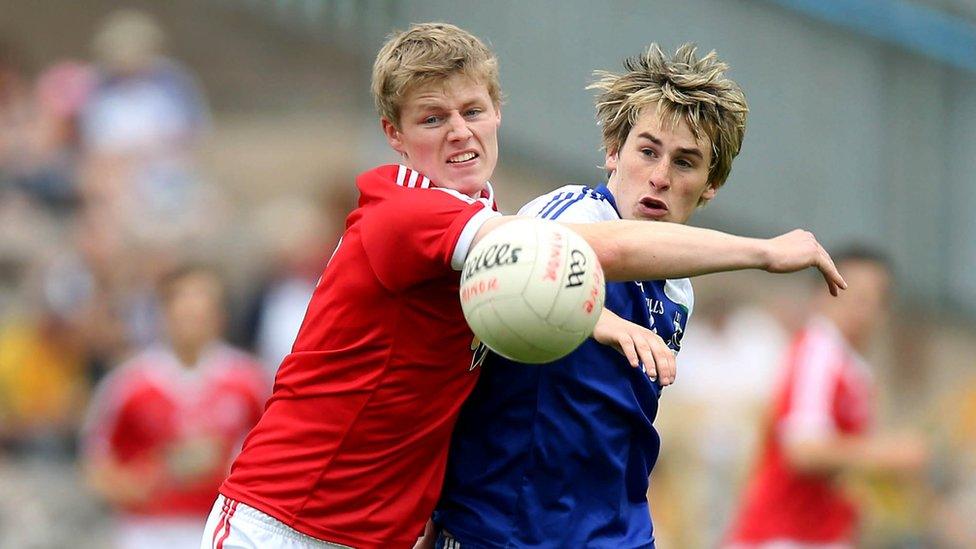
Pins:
x: 165, y: 425
x: 353, y: 444
x: 821, y: 423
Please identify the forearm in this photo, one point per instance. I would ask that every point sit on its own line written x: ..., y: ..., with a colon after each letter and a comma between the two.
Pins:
x: 641, y: 250
x: 652, y: 250
x: 857, y: 455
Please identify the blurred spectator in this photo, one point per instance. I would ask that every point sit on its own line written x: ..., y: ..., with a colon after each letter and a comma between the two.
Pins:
x: 39, y: 143
x: 140, y: 128
x: 165, y: 425
x: 48, y: 169
x: 730, y: 357
x: 299, y: 236
x: 819, y: 431
x: 43, y: 385
x: 14, y: 109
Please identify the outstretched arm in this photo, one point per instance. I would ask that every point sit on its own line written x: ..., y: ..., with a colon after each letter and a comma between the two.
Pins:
x: 642, y: 250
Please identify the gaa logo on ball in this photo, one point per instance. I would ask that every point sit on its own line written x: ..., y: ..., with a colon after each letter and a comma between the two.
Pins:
x: 532, y: 290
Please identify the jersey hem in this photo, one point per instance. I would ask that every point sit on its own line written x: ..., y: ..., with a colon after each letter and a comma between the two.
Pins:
x: 321, y: 534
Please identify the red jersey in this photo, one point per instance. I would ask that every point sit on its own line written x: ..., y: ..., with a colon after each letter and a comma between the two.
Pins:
x: 826, y: 391
x: 180, y: 426
x: 352, y: 446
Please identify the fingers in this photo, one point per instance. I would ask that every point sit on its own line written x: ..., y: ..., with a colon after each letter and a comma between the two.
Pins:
x: 664, y: 358
x: 647, y: 357
x: 835, y: 282
x: 626, y: 346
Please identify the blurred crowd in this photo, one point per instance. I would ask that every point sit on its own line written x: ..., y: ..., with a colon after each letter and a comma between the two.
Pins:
x: 104, y: 207
x: 912, y: 480
x: 102, y: 204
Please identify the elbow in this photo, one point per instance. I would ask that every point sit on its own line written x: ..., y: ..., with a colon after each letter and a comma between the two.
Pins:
x: 611, y: 258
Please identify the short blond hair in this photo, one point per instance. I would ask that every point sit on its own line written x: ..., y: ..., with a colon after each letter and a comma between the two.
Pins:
x: 427, y: 53
x: 682, y: 87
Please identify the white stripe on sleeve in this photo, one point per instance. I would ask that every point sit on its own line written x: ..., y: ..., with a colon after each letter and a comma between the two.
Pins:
x: 810, y: 415
x: 467, y: 236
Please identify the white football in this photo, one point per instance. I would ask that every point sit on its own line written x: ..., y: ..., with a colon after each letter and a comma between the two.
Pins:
x: 532, y: 290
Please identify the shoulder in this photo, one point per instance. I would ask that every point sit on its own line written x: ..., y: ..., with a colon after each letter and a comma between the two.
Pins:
x: 124, y: 384
x: 140, y: 368
x: 681, y: 292
x: 229, y: 359
x: 577, y: 203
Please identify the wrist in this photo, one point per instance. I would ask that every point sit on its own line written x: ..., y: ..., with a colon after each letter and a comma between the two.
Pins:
x: 761, y: 253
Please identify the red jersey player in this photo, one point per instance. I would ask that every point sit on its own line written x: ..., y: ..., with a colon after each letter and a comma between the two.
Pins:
x: 164, y: 426
x: 821, y: 424
x: 352, y: 446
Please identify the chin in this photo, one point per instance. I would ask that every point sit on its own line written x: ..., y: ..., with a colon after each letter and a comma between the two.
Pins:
x: 467, y: 185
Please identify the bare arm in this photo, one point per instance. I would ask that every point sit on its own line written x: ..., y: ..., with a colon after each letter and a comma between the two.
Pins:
x: 839, y: 454
x: 643, y: 250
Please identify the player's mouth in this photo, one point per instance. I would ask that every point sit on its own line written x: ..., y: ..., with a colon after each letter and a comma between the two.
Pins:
x: 652, y: 207
x: 463, y: 158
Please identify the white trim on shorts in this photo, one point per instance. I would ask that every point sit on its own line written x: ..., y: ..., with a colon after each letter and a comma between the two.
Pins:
x: 236, y: 525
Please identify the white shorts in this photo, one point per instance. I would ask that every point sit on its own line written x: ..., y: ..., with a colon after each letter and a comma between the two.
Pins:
x: 234, y: 525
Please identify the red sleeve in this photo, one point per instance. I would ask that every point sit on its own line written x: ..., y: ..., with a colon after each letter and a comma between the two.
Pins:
x: 813, y: 388
x: 103, y: 421
x: 410, y: 236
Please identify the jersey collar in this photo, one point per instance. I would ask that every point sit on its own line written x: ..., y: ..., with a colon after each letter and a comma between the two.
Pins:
x: 407, y: 177
x: 604, y: 191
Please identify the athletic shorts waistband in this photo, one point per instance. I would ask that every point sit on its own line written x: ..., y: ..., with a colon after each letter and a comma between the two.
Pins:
x: 252, y: 516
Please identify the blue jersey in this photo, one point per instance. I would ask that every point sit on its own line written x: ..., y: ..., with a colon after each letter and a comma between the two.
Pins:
x: 559, y: 455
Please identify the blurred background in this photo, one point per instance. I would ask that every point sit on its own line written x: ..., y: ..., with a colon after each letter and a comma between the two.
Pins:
x: 229, y: 131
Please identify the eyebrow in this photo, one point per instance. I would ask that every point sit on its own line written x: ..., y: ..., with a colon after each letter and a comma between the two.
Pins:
x: 693, y: 151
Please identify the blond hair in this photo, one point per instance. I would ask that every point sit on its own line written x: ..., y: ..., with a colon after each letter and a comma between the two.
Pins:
x: 427, y: 53
x: 682, y: 87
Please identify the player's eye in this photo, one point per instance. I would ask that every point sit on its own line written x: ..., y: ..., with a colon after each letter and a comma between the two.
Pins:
x: 684, y: 163
x: 472, y: 113
x: 648, y: 152
x: 430, y: 120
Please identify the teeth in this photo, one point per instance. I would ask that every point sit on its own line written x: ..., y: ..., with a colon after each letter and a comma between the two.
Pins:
x: 461, y: 157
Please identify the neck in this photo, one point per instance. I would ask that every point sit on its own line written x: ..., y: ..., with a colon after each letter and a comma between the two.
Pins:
x: 189, y: 354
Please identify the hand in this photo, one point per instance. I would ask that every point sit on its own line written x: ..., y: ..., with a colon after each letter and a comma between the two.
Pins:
x: 799, y: 249
x: 193, y: 458
x: 429, y: 538
x: 905, y: 452
x: 638, y: 344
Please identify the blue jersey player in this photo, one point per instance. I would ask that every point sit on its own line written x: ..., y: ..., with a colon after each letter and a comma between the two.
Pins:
x: 559, y: 455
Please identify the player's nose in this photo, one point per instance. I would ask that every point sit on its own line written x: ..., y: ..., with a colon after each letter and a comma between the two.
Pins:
x: 459, y: 129
x: 660, y: 176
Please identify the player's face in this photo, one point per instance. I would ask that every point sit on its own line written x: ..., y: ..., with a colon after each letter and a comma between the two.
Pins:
x: 661, y: 171
x: 449, y: 132
x: 863, y: 308
x: 193, y: 312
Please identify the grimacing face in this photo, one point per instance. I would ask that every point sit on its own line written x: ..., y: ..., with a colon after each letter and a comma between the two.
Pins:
x: 448, y: 131
x: 660, y: 172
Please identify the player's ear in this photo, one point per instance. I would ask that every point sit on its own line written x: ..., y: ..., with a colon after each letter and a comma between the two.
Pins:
x: 392, y: 135
x: 709, y: 194
x: 610, y: 162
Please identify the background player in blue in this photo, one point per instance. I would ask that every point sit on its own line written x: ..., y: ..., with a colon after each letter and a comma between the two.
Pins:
x: 559, y: 455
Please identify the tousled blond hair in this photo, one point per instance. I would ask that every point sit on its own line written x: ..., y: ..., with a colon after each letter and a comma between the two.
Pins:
x: 682, y: 87
x: 427, y: 53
